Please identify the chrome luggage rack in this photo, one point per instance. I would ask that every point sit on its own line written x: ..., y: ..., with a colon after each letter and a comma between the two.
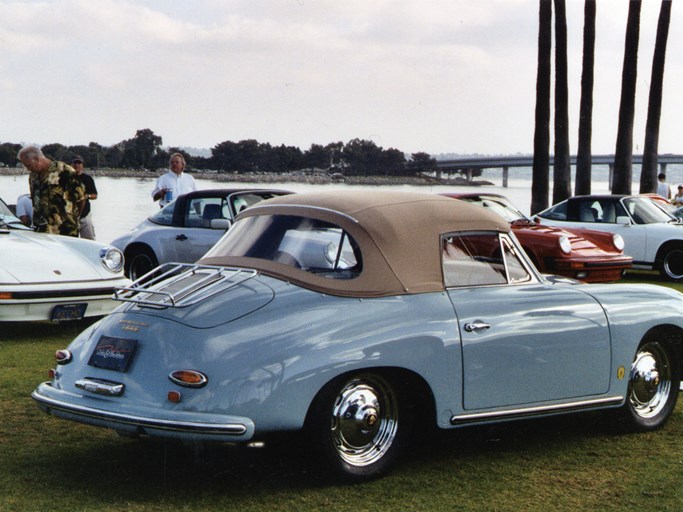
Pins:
x: 181, y: 284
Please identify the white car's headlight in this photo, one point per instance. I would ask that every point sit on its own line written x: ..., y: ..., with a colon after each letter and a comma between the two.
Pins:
x: 565, y: 244
x: 112, y: 259
x: 618, y: 242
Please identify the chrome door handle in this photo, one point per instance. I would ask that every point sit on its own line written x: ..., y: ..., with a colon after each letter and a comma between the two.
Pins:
x: 477, y: 326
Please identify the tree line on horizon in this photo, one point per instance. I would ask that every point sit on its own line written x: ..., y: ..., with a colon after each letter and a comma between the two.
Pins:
x: 144, y: 151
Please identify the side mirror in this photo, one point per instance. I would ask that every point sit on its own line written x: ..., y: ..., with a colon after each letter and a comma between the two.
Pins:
x: 624, y: 220
x: 223, y: 224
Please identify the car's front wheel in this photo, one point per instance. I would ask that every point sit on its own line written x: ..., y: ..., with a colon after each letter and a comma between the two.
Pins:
x: 653, y: 387
x: 356, y: 423
x: 671, y: 266
x: 139, y: 262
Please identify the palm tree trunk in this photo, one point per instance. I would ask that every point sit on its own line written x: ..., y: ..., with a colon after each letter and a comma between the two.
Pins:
x: 562, y: 168
x: 541, y: 164
x: 584, y: 155
x: 623, y: 155
x: 648, y: 173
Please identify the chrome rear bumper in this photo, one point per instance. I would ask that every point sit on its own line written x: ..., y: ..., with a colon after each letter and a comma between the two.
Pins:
x: 181, y: 425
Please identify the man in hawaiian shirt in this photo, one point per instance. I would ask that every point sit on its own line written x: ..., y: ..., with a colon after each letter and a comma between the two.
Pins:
x: 57, y: 193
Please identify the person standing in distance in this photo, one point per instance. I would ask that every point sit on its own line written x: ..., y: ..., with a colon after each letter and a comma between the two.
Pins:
x: 86, y: 228
x: 663, y: 188
x: 174, y: 183
x: 57, y: 193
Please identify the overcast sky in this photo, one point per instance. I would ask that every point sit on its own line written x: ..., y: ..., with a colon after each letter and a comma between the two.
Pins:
x: 440, y: 76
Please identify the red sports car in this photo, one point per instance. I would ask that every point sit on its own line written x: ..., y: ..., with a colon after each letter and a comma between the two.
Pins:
x: 584, y: 254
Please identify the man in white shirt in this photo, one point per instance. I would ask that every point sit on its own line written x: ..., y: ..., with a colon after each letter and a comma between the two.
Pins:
x: 174, y: 183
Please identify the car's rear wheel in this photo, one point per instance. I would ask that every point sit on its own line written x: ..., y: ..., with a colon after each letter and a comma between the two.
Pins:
x: 672, y: 263
x: 356, y: 422
x: 653, y: 387
x: 139, y: 262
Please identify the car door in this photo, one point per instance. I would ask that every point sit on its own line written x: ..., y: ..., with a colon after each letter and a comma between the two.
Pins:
x: 195, y: 237
x: 523, y: 341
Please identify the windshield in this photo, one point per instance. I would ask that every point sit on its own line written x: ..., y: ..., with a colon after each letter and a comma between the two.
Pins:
x: 309, y: 244
x: 499, y: 206
x: 644, y: 211
x: 165, y: 215
x: 8, y: 219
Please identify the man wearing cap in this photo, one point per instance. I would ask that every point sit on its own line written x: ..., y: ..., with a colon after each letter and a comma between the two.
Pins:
x: 87, y: 230
x: 57, y: 193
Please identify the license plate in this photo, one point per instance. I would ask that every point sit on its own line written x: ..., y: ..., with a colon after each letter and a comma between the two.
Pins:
x: 63, y: 312
x: 113, y: 353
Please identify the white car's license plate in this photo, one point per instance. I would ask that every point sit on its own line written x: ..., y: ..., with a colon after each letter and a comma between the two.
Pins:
x: 63, y: 312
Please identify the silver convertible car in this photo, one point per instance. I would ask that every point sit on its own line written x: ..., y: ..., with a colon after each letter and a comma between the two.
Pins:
x: 53, y: 277
x: 186, y: 228
x: 355, y: 316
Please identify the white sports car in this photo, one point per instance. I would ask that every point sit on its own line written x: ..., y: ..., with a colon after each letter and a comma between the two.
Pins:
x: 53, y: 277
x: 653, y: 237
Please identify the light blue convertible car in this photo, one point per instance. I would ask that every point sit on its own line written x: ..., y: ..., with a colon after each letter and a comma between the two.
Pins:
x: 353, y: 317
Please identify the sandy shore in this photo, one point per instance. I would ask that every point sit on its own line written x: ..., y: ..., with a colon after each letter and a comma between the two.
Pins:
x: 295, y: 177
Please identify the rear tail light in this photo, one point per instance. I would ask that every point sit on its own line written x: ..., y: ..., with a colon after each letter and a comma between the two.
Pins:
x: 188, y: 378
x: 63, y: 356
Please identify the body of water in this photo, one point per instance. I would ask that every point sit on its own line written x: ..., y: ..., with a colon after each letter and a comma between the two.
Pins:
x: 123, y: 203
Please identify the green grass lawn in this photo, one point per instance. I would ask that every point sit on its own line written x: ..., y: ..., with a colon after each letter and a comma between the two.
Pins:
x: 565, y: 463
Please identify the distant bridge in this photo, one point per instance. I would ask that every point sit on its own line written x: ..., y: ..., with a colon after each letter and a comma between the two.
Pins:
x: 468, y: 165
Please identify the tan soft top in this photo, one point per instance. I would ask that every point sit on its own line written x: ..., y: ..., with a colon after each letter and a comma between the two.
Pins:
x: 399, y: 234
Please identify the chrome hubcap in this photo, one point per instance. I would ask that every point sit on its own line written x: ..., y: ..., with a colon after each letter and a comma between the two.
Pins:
x: 364, y: 421
x: 650, y: 380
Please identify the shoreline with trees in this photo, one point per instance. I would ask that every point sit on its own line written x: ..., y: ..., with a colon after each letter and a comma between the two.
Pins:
x: 314, y: 177
x: 356, y: 162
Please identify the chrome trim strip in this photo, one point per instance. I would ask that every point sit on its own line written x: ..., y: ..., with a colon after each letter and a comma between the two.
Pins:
x: 530, y: 411
x: 189, y: 427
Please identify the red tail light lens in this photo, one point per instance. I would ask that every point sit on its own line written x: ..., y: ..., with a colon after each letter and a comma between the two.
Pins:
x: 63, y: 356
x: 188, y: 378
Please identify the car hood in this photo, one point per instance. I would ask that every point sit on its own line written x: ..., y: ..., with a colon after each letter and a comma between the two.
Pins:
x: 29, y: 257
x: 523, y: 225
